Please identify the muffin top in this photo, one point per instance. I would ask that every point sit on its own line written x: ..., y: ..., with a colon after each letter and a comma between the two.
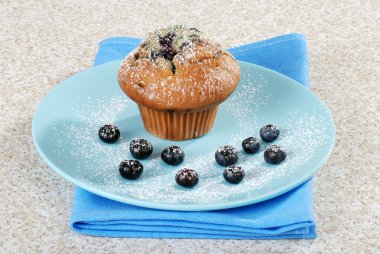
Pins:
x: 177, y: 68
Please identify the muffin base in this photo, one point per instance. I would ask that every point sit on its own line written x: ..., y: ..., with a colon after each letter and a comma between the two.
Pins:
x: 178, y: 125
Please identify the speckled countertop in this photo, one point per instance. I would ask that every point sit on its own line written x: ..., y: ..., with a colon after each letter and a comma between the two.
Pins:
x: 43, y: 43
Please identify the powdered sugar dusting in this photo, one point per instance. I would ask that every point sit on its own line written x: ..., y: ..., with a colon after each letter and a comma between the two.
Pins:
x: 107, y: 110
x: 248, y: 99
x: 81, y: 137
x: 302, y: 136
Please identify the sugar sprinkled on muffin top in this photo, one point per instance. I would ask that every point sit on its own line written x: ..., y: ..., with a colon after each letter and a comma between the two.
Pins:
x: 162, y: 45
x: 169, y: 41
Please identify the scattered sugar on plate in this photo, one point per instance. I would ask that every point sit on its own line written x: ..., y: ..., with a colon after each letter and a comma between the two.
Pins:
x: 301, y: 137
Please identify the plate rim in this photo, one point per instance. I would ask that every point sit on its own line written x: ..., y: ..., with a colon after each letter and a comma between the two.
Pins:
x: 191, y: 207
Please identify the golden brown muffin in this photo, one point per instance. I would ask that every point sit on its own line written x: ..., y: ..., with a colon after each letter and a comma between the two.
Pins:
x: 178, y: 78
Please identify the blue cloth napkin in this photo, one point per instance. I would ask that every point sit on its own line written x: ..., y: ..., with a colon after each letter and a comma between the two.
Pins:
x: 287, y: 216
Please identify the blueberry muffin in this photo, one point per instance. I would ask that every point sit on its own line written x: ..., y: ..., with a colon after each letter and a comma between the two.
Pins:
x: 178, y: 78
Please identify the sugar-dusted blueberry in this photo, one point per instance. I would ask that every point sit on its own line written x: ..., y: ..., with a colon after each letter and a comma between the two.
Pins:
x: 167, y: 40
x: 173, y: 155
x: 233, y: 174
x: 251, y: 145
x: 109, y: 133
x: 226, y: 155
x: 187, y: 178
x: 140, y: 148
x: 274, y: 154
x: 166, y: 44
x: 269, y: 133
x: 131, y: 169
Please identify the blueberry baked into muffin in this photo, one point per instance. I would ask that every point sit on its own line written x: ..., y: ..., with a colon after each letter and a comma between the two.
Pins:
x: 178, y: 78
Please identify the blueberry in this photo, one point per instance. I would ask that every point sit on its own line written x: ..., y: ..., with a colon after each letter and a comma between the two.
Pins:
x: 269, y: 133
x: 109, y: 133
x: 140, y: 148
x: 251, y: 145
x: 131, y: 169
x: 166, y: 44
x: 173, y: 155
x: 167, y: 40
x: 187, y: 178
x: 194, y: 29
x: 274, y: 154
x: 226, y: 155
x: 168, y: 54
x: 233, y: 174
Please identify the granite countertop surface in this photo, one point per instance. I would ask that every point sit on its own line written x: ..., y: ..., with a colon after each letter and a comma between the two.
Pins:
x: 44, y: 42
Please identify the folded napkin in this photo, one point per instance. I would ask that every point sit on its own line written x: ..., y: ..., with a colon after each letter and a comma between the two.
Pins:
x: 287, y: 216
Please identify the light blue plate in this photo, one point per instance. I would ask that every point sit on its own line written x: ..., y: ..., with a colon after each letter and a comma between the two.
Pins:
x: 66, y: 123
